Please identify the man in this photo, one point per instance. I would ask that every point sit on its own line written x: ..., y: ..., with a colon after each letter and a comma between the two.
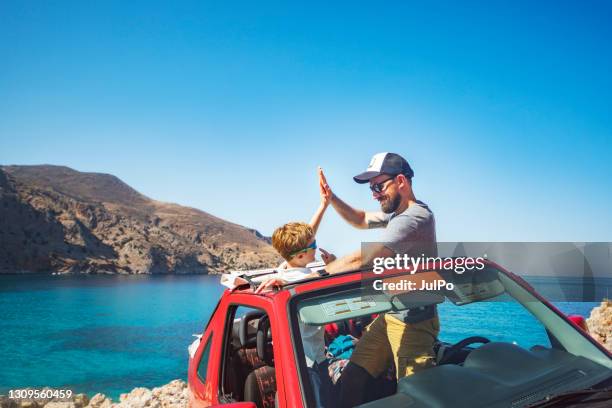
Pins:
x: 402, y: 338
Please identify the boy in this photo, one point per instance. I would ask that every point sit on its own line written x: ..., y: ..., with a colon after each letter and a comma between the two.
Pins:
x: 295, y: 242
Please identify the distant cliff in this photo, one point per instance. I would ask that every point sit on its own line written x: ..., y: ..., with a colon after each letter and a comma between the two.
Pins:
x: 55, y: 219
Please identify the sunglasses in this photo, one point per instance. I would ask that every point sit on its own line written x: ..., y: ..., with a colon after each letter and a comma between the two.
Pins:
x: 379, y: 187
x: 311, y: 246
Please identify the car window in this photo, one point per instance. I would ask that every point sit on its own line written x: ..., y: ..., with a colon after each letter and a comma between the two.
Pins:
x: 203, y: 365
x: 241, y: 310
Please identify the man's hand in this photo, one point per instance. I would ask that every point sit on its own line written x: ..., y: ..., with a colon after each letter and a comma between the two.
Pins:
x: 324, y: 189
x: 326, y: 256
x: 272, y: 282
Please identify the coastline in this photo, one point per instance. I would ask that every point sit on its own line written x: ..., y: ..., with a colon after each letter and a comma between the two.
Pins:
x: 175, y: 394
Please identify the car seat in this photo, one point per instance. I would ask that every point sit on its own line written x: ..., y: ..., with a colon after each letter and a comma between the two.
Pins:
x: 260, y: 385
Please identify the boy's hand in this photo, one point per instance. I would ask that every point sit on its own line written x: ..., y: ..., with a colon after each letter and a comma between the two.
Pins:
x: 324, y: 189
x: 326, y: 256
x: 278, y: 282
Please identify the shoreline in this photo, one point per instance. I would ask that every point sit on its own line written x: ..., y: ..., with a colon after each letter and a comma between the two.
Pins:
x: 175, y: 394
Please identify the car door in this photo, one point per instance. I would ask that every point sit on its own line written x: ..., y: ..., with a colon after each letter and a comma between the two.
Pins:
x: 233, y: 367
x: 204, y: 363
x: 208, y: 362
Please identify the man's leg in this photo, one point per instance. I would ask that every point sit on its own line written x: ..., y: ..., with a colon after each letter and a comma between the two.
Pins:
x: 371, y: 357
x: 412, y: 344
x: 353, y: 385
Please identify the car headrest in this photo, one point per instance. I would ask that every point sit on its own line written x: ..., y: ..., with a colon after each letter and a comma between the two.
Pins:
x: 243, y: 332
x: 263, y: 338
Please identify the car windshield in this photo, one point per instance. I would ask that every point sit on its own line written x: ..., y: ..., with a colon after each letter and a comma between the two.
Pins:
x: 476, y: 307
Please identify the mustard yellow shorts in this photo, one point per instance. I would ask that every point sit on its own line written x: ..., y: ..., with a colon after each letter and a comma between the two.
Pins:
x: 388, y: 340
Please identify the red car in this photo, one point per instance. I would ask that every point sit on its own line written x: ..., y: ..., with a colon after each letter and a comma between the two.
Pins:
x: 530, y: 354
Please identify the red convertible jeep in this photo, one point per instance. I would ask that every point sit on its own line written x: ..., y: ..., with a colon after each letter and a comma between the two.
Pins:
x: 530, y: 354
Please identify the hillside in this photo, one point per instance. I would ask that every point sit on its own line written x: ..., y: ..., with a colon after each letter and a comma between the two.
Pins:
x: 56, y: 219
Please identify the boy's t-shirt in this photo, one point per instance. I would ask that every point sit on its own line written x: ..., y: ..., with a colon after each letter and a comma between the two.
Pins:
x: 313, y: 337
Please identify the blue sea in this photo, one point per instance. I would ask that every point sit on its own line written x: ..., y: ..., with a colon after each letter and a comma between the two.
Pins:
x: 110, y: 334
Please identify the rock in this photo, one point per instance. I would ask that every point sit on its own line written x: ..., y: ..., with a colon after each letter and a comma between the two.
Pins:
x: 60, y: 404
x: 175, y: 394
x: 6, y: 402
x: 172, y: 395
x: 137, y: 398
x: 99, y: 401
x: 80, y: 400
x: 600, y: 323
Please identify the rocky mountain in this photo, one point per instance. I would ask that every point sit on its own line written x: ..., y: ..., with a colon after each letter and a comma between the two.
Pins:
x: 56, y: 219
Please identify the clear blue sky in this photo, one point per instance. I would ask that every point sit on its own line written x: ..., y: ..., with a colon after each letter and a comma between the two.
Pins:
x: 504, y: 109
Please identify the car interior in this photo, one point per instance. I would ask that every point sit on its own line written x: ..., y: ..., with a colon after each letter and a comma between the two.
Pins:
x: 474, y: 371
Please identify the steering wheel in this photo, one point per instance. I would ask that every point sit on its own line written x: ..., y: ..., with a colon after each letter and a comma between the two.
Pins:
x: 457, y: 347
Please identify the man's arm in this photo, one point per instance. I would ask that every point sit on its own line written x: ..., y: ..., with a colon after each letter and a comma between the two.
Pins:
x: 358, y: 259
x: 355, y: 217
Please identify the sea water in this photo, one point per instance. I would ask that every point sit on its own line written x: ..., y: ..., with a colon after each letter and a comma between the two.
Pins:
x: 105, y: 334
x: 110, y: 334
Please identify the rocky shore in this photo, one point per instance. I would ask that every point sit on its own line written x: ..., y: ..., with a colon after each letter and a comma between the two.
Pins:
x: 175, y: 394
x: 600, y: 323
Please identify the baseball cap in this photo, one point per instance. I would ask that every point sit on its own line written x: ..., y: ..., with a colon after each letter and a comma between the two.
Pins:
x: 385, y: 163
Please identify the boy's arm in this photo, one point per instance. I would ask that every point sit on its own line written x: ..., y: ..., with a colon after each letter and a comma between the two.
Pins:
x: 280, y: 282
x: 315, y: 221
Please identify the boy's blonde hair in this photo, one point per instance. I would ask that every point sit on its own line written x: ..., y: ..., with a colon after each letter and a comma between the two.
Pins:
x: 292, y: 237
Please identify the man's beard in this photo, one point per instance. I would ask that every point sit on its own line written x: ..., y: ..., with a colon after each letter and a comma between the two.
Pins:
x: 389, y: 206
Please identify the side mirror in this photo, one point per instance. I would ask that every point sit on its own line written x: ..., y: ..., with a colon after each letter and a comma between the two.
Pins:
x: 579, y: 321
x: 236, y: 405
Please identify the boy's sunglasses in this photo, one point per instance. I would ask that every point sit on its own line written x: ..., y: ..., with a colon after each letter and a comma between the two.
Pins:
x: 378, y: 187
x: 311, y: 246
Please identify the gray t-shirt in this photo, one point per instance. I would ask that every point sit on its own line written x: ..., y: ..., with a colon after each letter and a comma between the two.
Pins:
x: 413, y: 232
